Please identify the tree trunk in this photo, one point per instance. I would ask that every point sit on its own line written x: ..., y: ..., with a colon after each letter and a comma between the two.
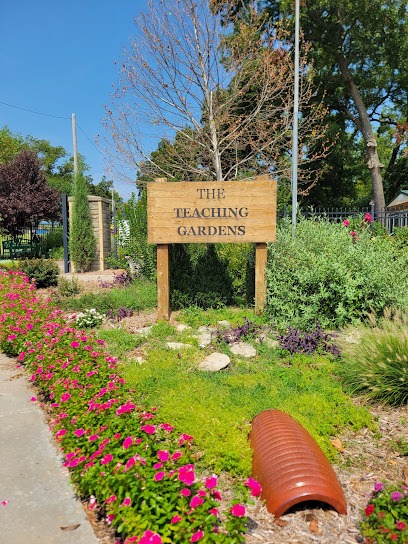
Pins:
x: 364, y: 125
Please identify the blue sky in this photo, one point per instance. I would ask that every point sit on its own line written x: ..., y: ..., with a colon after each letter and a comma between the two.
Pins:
x: 58, y: 58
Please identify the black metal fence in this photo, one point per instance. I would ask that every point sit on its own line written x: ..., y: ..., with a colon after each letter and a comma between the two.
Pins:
x: 383, y: 219
x: 35, y: 240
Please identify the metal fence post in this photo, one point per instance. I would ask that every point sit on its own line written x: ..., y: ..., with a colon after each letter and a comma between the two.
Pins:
x: 373, y: 216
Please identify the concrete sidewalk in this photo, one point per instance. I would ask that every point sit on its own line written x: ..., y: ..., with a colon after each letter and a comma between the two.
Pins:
x: 31, y: 474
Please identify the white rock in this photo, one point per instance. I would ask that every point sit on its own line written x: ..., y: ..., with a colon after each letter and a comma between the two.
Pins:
x: 177, y: 345
x: 139, y: 359
x: 205, y: 329
x: 144, y: 331
x: 243, y: 349
x: 214, y: 362
x: 182, y: 327
x: 224, y: 323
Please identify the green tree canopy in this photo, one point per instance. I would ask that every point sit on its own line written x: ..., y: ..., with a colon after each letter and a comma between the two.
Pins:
x: 359, y: 51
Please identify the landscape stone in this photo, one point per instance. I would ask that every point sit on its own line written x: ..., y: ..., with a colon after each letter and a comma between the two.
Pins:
x: 144, y: 331
x: 204, y: 339
x: 224, y: 323
x: 271, y: 342
x: 243, y: 349
x: 214, y: 362
x: 182, y: 327
x: 205, y: 329
x: 139, y: 359
x: 177, y: 345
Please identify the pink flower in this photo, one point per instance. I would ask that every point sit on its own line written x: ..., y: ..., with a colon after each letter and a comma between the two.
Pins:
x: 196, y: 501
x: 210, y: 483
x: 33, y: 399
x: 346, y: 223
x: 128, y: 442
x: 163, y: 455
x: 367, y: 218
x: 65, y: 397
x: 186, y: 474
x: 217, y: 495
x: 185, y: 438
x: 93, y: 437
x: 109, y: 518
x: 238, y: 510
x: 255, y: 487
x: 149, y: 429
x: 401, y: 526
x: 159, y: 476
x: 150, y: 538
x: 167, y: 427
x: 213, y: 511
x: 111, y: 499
x: 176, y: 456
x: 352, y: 233
x: 74, y: 344
x: 126, y: 502
x: 197, y: 536
x: 106, y: 459
x: 176, y: 519
x: 186, y: 492
x: 396, y: 496
x: 3, y: 503
x: 378, y: 487
x: 157, y: 465
x: 79, y: 432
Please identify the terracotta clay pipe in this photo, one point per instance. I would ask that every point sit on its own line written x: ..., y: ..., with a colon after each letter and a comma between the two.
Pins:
x: 290, y: 466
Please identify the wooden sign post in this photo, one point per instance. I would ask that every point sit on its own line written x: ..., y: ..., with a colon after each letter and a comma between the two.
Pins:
x: 211, y: 212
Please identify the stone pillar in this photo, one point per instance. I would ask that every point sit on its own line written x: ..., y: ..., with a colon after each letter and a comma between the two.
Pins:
x: 100, y: 215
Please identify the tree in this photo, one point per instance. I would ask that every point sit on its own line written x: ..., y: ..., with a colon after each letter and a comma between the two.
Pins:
x: 221, y: 106
x: 359, y: 48
x: 25, y: 197
x: 82, y: 241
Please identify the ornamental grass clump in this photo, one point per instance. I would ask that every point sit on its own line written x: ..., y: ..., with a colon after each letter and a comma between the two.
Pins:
x: 132, y: 467
x: 385, y: 518
x: 377, y: 363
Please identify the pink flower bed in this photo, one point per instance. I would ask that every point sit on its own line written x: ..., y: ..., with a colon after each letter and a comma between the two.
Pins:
x: 136, y: 469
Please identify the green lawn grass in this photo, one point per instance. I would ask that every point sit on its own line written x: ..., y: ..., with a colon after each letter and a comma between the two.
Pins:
x: 217, y: 408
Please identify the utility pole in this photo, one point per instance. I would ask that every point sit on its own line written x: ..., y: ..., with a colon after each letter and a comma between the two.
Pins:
x: 74, y: 137
x: 295, y: 120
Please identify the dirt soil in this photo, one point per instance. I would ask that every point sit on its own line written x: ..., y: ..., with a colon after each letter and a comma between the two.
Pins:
x: 365, y: 457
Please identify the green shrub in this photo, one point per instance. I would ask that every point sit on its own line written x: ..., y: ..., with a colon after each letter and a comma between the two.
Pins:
x: 44, y: 271
x: 385, y: 518
x: 82, y: 241
x: 324, y: 273
x: 198, y: 277
x: 377, y: 364
x: 67, y: 288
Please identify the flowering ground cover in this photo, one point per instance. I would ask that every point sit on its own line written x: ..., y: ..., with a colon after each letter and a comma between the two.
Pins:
x: 138, y: 471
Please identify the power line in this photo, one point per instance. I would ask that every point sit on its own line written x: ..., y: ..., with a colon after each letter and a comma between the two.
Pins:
x: 55, y: 117
x: 36, y: 112
x: 90, y: 141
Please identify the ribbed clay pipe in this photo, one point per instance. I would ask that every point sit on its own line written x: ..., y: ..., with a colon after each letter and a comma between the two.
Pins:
x: 290, y: 466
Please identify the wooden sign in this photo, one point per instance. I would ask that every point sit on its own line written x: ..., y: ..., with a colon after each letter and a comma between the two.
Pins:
x: 196, y: 212
x: 210, y: 212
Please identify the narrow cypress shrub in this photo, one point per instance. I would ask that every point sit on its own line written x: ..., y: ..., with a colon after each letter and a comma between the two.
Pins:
x: 82, y: 241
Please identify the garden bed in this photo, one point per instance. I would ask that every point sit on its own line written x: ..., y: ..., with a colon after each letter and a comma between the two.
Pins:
x: 369, y: 456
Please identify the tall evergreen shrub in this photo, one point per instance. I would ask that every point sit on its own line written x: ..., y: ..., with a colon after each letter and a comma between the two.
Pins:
x: 82, y: 241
